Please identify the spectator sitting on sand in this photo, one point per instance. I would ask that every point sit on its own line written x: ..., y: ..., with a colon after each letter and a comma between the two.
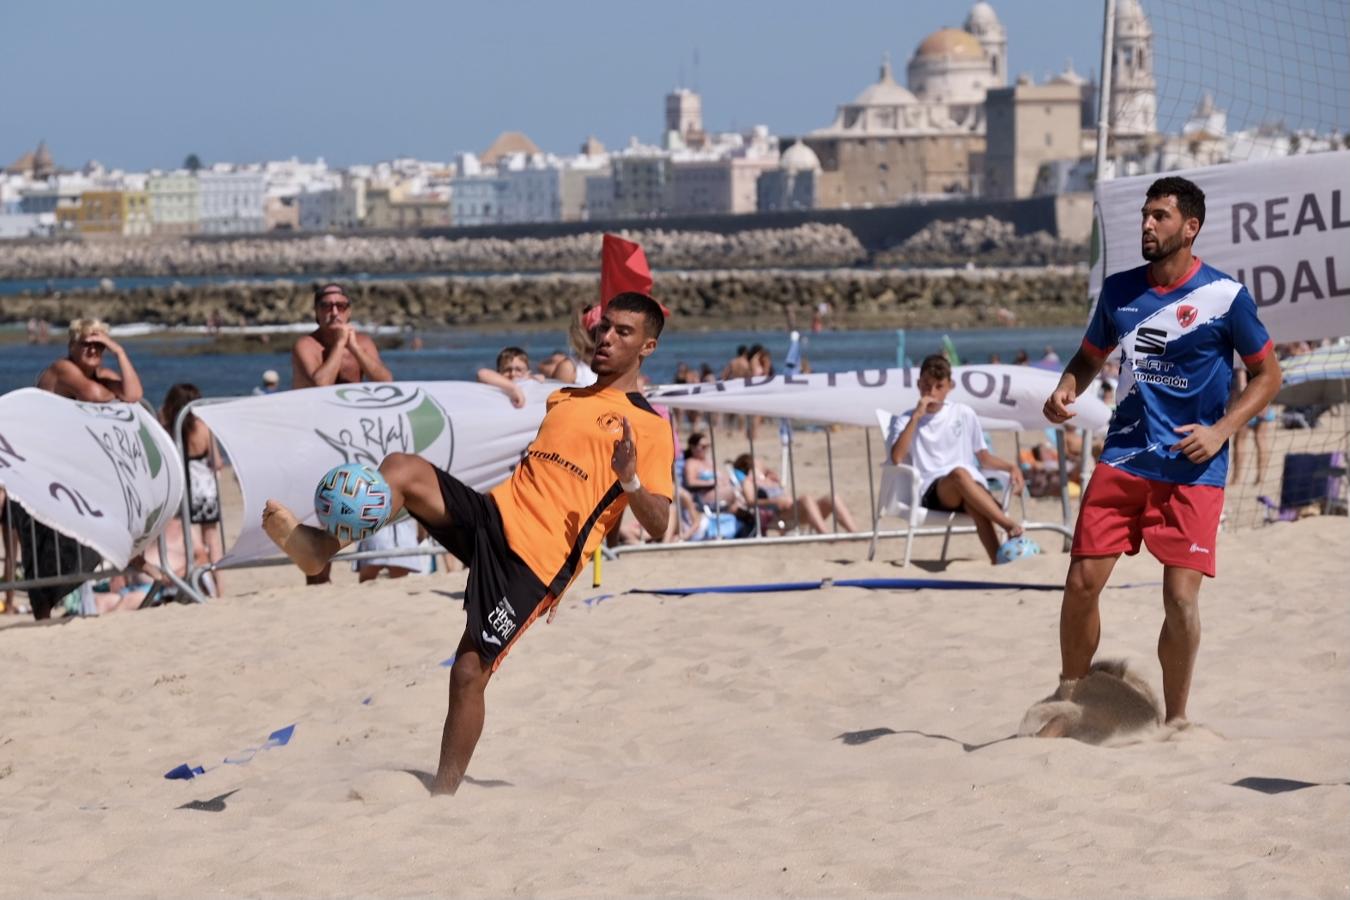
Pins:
x: 705, y: 484
x: 762, y: 489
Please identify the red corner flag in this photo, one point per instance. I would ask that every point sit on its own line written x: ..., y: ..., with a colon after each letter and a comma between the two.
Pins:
x: 623, y: 267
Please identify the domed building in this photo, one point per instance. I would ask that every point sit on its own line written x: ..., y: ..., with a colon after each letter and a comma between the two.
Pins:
x: 895, y: 143
x: 950, y: 66
x: 793, y: 184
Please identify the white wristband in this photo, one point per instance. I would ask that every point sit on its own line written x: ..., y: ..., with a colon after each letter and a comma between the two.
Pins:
x: 630, y: 486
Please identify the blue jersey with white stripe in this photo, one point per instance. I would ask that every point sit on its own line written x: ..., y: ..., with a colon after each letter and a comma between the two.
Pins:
x: 1177, y: 344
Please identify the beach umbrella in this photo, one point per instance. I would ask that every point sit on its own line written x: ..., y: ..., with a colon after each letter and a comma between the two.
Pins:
x: 1318, y: 378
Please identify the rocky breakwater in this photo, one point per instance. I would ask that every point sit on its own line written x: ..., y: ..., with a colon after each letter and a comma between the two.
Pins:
x: 984, y: 242
x: 807, y: 245
x: 859, y: 298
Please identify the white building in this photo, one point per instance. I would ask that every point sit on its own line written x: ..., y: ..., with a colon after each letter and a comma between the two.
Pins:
x: 792, y: 184
x: 174, y: 202
x: 230, y: 202
x: 531, y: 188
x: 1134, y: 93
x: 477, y: 199
x: 333, y: 209
x: 684, y: 120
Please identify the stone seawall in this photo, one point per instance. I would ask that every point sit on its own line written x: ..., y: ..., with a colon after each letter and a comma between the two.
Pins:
x: 859, y: 298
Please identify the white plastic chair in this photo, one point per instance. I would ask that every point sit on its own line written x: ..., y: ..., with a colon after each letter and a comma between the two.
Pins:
x: 898, y: 497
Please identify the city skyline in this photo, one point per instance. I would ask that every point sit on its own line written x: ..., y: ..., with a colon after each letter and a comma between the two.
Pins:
x: 288, y: 89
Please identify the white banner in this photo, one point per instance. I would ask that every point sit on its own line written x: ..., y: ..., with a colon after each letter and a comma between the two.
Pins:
x: 1281, y: 227
x: 281, y: 444
x: 105, y: 474
x: 1008, y: 398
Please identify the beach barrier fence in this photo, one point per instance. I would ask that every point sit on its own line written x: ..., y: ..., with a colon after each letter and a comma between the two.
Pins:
x: 35, y: 557
x: 1064, y: 527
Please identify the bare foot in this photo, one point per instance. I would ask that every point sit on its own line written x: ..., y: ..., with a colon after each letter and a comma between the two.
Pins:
x: 445, y: 784
x: 1057, y: 727
x: 308, y: 547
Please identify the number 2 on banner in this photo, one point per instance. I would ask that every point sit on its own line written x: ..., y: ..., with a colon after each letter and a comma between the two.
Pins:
x: 82, y: 505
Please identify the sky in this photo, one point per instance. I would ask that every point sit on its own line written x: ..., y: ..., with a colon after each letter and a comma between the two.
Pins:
x: 142, y: 83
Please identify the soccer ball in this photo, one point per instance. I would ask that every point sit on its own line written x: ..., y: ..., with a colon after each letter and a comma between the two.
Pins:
x: 1017, y: 548
x: 352, y: 501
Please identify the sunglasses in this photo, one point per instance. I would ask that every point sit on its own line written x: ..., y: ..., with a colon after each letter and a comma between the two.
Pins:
x: 334, y: 305
x: 91, y: 345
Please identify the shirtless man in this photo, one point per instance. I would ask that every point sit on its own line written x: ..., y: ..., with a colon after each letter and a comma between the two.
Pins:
x: 600, y: 450
x: 81, y: 375
x: 334, y: 353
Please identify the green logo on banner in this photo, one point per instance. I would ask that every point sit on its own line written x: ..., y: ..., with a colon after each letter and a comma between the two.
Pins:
x: 152, y: 456
x: 427, y: 421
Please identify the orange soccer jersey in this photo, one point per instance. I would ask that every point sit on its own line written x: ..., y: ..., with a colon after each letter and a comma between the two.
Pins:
x: 564, y: 497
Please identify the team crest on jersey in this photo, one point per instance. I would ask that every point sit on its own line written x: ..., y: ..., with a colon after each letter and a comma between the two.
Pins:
x: 1186, y: 315
x: 611, y: 422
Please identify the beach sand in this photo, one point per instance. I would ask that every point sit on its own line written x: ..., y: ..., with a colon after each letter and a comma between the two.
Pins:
x: 835, y: 741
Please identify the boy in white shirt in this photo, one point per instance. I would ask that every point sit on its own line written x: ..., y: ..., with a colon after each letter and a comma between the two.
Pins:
x: 945, y: 443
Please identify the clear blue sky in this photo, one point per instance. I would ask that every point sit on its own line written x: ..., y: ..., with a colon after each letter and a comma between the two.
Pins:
x: 142, y: 83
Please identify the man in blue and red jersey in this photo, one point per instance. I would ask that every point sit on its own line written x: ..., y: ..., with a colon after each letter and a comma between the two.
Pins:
x: 1178, y: 324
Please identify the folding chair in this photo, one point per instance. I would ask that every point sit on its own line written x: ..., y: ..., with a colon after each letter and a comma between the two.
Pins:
x: 898, y: 497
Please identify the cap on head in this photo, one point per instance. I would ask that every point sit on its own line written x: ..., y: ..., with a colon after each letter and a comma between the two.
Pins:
x: 271, y: 377
x: 330, y: 289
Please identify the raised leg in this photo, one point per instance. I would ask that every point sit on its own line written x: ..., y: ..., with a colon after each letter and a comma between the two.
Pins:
x: 1080, y: 624
x: 464, y: 719
x: 961, y: 488
x: 809, y: 511
x: 1179, y: 640
x: 412, y: 482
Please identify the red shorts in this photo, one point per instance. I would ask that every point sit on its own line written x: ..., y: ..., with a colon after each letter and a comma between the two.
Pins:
x: 1178, y: 522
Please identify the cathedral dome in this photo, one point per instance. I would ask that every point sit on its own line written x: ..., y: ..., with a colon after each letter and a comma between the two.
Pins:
x: 798, y: 158
x: 982, y: 18
x: 885, y: 92
x: 952, y: 43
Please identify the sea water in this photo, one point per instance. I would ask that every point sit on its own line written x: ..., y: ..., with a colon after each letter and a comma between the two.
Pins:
x: 165, y: 358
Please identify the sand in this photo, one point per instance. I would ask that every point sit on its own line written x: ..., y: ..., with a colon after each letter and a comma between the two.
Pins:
x: 838, y: 741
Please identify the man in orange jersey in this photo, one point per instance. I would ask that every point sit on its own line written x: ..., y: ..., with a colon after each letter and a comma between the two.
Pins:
x: 599, y: 449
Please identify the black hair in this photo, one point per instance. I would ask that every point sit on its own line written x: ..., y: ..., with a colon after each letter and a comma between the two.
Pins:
x: 937, y: 367
x: 179, y: 396
x: 331, y: 287
x: 1190, y: 199
x: 632, y: 301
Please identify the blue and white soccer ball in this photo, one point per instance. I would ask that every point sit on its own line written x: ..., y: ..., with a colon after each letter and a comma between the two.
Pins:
x: 352, y: 501
x: 1017, y: 548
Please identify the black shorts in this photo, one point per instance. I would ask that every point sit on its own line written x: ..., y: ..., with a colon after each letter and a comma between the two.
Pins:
x: 932, y: 501
x: 503, y: 595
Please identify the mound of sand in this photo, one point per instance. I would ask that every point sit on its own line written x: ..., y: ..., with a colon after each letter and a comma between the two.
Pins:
x: 1112, y: 704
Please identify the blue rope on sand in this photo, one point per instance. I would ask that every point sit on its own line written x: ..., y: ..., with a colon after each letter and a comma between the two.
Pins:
x: 875, y: 584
